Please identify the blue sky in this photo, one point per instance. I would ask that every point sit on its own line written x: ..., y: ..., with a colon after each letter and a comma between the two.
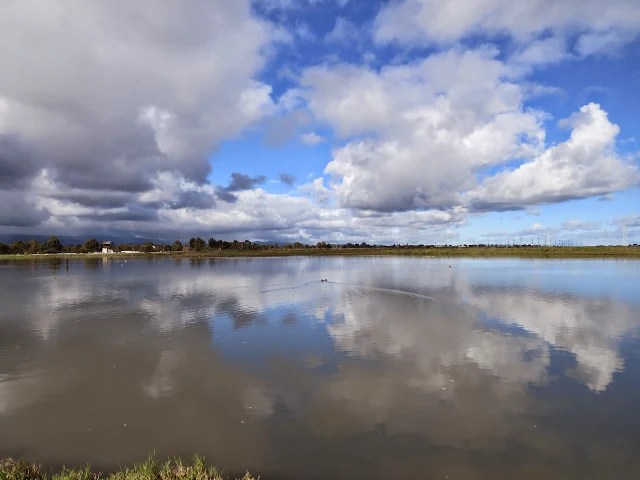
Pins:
x: 339, y: 120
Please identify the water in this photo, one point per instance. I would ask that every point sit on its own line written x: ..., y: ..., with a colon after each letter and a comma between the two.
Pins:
x: 394, y: 368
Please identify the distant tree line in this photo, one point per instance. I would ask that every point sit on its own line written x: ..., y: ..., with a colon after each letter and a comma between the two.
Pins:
x: 197, y: 244
x: 53, y: 245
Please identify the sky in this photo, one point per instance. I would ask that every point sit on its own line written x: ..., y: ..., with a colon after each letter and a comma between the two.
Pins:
x: 384, y: 121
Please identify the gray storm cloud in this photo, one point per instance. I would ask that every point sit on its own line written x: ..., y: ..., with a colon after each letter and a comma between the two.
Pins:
x: 104, y: 97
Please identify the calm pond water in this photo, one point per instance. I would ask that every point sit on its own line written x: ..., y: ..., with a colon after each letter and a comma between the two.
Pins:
x: 394, y: 368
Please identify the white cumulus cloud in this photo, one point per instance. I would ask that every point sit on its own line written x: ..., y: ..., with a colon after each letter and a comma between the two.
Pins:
x: 585, y: 165
x: 311, y: 139
x: 451, y: 20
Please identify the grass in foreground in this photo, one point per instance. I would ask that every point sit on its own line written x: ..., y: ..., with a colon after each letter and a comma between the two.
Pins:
x: 148, y: 470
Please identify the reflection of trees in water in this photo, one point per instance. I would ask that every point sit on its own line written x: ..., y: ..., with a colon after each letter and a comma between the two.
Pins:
x: 92, y: 263
x: 54, y: 264
x: 197, y: 262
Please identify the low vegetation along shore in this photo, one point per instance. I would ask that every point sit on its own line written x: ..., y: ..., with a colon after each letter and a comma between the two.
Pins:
x: 197, y: 247
x: 470, y: 252
x: 524, y: 252
x: 148, y: 470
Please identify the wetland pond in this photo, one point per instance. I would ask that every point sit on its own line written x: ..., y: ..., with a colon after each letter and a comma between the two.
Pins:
x: 393, y: 368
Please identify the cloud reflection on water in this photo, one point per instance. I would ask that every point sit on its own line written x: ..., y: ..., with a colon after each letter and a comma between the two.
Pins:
x: 219, y: 340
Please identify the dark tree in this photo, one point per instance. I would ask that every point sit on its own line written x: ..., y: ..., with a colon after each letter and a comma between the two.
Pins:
x: 197, y: 244
x: 147, y: 247
x: 72, y: 249
x: 18, y: 248
x: 91, y: 246
x: 177, y: 246
x: 52, y: 245
x: 33, y: 246
x: 4, y: 249
x: 212, y: 243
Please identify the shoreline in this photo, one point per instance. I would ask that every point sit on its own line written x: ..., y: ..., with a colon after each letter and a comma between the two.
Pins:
x: 434, y: 252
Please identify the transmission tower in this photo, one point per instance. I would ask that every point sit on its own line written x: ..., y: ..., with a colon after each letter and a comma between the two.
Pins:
x: 548, y: 239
